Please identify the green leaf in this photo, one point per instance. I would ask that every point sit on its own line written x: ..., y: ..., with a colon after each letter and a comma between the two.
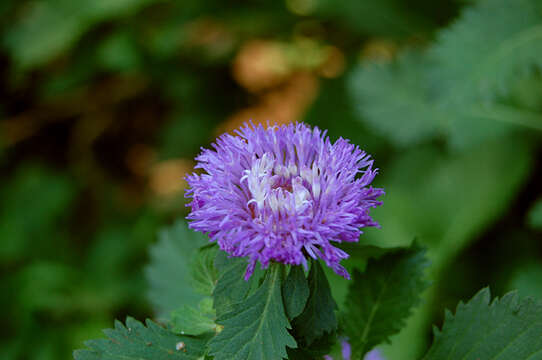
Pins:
x: 395, y: 100
x: 526, y: 279
x: 318, y: 317
x: 188, y: 320
x: 295, y: 292
x: 535, y: 215
x: 388, y: 18
x: 398, y: 101
x: 119, y: 53
x: 481, y: 53
x: 381, y: 298
x: 204, y: 273
x: 139, y: 342
x: 456, y: 88
x: 231, y: 287
x: 428, y: 190
x: 25, y: 230
x: 334, y: 98
x: 184, y: 133
x: 50, y: 27
x: 256, y: 329
x: 427, y: 187
x: 507, y: 328
x: 169, y: 272
x: 320, y: 347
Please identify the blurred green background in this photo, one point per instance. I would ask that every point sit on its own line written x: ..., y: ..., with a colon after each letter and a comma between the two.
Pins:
x: 104, y: 104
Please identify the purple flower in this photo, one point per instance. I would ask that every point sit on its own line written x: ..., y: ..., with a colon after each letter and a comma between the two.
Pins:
x: 346, y: 349
x: 346, y: 353
x: 282, y: 194
x: 374, y: 355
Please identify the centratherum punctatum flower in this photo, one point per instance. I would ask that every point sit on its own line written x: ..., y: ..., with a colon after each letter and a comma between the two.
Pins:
x: 283, y: 194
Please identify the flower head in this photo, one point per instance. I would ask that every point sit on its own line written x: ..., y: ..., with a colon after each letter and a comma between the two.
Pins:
x: 283, y: 194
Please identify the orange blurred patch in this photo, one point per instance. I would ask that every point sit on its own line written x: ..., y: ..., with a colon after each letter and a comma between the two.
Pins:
x: 380, y: 50
x: 334, y: 63
x: 280, y: 106
x: 260, y: 65
x: 166, y: 178
x: 139, y: 159
x: 210, y: 35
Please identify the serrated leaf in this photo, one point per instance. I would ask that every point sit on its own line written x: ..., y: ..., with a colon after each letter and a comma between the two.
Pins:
x: 231, y: 288
x: 507, y: 328
x: 295, y: 292
x: 398, y: 101
x: 135, y: 341
x: 428, y: 191
x: 486, y: 48
x: 169, y: 272
x: 204, y: 273
x: 318, y: 317
x: 455, y: 89
x: 395, y: 100
x: 188, y: 320
x: 381, y: 298
x: 256, y: 329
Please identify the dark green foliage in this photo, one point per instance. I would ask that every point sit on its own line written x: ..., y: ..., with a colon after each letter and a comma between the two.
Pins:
x: 481, y: 54
x: 295, y: 292
x: 231, y: 288
x: 506, y: 328
x: 256, y: 328
x: 170, y: 272
x: 535, y: 215
x: 204, y: 273
x: 97, y: 96
x: 318, y: 317
x: 139, y: 342
x: 418, y: 114
x: 455, y: 88
x: 320, y: 347
x: 51, y: 27
x: 383, y: 18
x: 440, y: 184
x: 22, y: 229
x: 380, y: 299
x: 526, y: 280
x: 410, y: 117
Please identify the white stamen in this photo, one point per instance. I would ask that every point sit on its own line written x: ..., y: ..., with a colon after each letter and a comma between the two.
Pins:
x: 268, y: 181
x: 301, y: 194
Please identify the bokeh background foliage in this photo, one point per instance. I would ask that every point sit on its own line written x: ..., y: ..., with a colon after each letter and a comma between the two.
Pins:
x: 103, y: 105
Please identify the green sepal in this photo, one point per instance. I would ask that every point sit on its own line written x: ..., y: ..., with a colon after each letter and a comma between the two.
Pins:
x: 295, y: 292
x: 318, y: 316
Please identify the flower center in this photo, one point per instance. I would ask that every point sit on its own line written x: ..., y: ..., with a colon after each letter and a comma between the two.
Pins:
x: 278, y: 188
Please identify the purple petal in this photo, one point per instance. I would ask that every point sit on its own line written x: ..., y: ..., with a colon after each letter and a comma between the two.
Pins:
x: 282, y: 194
